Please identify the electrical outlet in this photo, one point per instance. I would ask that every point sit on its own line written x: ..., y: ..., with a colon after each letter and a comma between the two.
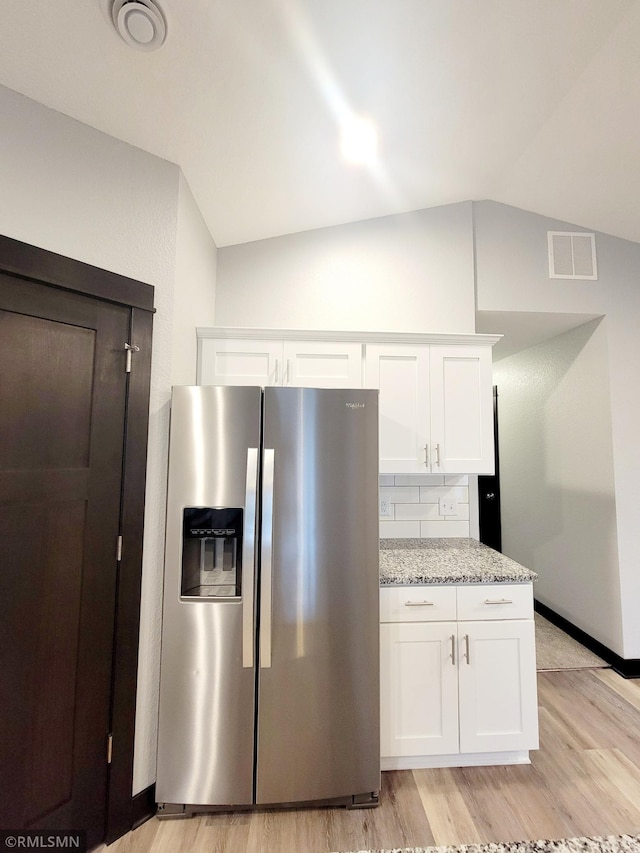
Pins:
x: 385, y: 508
x: 448, y: 506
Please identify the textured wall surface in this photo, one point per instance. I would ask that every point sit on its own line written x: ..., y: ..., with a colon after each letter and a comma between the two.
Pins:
x: 513, y: 275
x: 557, y: 477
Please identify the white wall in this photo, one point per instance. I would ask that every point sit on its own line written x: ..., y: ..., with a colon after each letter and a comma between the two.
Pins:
x: 512, y: 275
x: 411, y: 272
x: 78, y: 192
x: 195, y: 285
x: 557, y: 478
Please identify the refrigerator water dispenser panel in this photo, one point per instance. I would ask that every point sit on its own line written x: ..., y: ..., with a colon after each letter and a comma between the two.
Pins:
x: 211, y: 552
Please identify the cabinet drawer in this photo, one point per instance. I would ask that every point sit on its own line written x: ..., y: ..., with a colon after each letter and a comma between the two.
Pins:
x: 495, y: 601
x: 417, y: 603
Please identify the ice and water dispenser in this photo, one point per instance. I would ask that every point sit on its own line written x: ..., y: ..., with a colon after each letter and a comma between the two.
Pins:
x: 211, y: 552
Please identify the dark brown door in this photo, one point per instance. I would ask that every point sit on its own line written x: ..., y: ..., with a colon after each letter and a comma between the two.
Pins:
x: 62, y: 418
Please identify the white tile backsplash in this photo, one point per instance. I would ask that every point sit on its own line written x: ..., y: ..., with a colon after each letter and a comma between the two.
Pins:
x: 432, y: 494
x: 456, y: 479
x: 415, y: 506
x: 444, y: 529
x: 401, y: 494
x: 415, y: 479
x: 400, y: 529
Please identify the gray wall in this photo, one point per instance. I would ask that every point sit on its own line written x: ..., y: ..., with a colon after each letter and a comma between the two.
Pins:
x: 512, y: 275
x: 411, y: 272
x: 556, y: 477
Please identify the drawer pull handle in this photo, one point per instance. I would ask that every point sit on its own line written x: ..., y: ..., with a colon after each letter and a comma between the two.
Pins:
x: 418, y: 604
x: 498, y: 601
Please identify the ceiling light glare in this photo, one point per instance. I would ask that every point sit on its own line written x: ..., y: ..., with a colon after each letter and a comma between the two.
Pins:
x: 359, y: 141
x: 140, y: 23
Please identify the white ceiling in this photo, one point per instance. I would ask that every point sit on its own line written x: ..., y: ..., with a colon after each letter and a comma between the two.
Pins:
x: 533, y: 103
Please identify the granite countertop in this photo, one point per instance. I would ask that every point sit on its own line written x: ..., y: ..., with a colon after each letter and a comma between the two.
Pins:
x: 424, y: 561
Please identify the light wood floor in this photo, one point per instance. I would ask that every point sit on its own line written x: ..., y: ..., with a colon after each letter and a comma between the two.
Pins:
x: 584, y: 780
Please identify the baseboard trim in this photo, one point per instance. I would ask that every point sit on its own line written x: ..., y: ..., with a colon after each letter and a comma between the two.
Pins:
x: 143, y: 806
x: 475, y: 759
x: 626, y: 667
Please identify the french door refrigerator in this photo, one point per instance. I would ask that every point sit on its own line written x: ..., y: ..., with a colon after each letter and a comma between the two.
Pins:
x: 269, y: 688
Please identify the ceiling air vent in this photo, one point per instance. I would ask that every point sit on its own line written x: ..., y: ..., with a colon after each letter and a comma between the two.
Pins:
x: 140, y: 23
x: 572, y: 254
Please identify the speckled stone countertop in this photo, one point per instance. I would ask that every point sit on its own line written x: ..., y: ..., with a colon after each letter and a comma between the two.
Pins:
x: 595, y: 844
x: 424, y: 561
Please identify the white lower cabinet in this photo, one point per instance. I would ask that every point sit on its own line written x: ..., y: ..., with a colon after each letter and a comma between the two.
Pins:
x: 457, y: 692
x: 419, y: 689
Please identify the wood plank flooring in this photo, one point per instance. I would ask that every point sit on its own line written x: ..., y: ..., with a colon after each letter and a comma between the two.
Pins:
x: 584, y: 780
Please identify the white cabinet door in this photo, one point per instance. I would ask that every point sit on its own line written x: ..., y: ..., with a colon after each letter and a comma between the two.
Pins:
x: 418, y: 689
x: 319, y: 364
x: 497, y: 686
x: 239, y: 362
x: 402, y: 375
x: 461, y: 410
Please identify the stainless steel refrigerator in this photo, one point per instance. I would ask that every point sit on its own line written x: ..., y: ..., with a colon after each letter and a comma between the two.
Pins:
x: 269, y: 688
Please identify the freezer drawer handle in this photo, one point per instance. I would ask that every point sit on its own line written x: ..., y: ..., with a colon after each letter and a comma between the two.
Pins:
x: 267, y: 536
x: 418, y: 604
x: 248, y: 556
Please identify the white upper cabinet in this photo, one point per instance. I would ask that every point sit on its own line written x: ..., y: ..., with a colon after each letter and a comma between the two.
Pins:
x: 461, y: 417
x: 436, y: 399
x: 402, y: 375
x: 308, y: 364
x: 320, y: 364
x: 436, y: 408
x: 239, y: 362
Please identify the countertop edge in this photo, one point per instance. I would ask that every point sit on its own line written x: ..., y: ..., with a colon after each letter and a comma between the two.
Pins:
x: 416, y: 562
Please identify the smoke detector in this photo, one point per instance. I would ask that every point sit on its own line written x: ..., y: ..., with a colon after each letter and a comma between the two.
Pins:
x: 140, y: 23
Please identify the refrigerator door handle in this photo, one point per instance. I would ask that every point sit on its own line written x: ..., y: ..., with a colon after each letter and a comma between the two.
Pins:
x: 248, y: 557
x: 266, y: 561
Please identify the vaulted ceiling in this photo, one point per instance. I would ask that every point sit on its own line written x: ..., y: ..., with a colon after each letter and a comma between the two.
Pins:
x: 533, y: 103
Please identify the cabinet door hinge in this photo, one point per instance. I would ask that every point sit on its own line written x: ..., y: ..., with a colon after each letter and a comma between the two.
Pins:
x: 129, y: 348
x: 109, y: 748
x: 119, y: 549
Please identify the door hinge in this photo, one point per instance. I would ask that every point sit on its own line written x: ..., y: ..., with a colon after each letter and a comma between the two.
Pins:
x: 129, y: 348
x: 109, y: 748
x: 119, y: 549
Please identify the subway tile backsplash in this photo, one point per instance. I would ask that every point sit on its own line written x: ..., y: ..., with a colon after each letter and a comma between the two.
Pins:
x: 416, y: 510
